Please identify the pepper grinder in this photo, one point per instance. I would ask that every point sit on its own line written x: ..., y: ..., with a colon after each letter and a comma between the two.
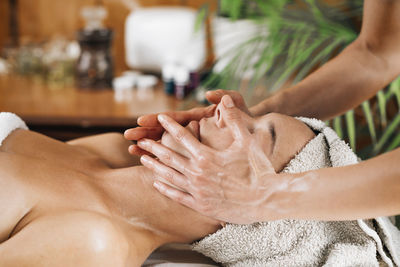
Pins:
x: 94, y: 69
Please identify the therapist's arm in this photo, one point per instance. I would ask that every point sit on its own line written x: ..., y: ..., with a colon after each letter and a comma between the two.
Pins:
x: 367, y: 65
x: 366, y: 190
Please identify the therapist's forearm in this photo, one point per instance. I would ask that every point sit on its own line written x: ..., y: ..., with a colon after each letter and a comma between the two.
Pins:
x: 340, y: 85
x: 363, y: 68
x: 366, y: 190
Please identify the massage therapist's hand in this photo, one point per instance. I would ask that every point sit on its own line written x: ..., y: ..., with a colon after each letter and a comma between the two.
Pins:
x: 151, y: 128
x: 228, y: 185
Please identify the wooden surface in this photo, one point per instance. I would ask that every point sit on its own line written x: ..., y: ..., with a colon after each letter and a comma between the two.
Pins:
x: 41, y: 20
x: 53, y: 110
x: 4, y: 33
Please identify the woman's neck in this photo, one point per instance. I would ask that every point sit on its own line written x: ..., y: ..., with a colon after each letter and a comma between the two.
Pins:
x: 132, y: 198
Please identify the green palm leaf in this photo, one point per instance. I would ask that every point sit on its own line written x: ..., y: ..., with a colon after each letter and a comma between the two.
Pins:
x: 370, y: 120
x: 390, y: 129
x: 351, y: 129
x: 394, y: 88
x: 395, y: 142
x: 382, y: 108
x: 337, y: 126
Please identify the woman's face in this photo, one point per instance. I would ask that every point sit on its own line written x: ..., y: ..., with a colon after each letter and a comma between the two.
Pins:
x: 280, y: 136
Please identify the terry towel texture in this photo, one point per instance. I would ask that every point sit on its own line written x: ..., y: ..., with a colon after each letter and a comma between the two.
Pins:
x: 308, y: 243
x: 8, y: 123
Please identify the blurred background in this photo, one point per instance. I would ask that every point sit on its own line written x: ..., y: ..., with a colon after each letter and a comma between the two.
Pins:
x: 43, y: 20
x: 75, y: 68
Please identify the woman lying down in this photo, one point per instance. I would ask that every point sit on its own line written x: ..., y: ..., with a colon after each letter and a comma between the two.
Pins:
x: 87, y: 203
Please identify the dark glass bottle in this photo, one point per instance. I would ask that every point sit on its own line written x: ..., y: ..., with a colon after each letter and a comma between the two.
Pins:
x: 94, y: 69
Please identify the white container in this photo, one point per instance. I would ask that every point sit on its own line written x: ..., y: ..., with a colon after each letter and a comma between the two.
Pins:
x: 159, y: 35
x: 146, y: 82
x: 132, y: 76
x: 122, y: 88
x: 145, y: 86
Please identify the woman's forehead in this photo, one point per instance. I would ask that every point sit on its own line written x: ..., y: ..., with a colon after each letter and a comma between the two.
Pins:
x: 279, y: 119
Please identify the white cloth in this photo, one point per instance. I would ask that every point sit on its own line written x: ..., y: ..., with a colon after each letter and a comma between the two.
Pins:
x: 8, y: 123
x: 308, y: 243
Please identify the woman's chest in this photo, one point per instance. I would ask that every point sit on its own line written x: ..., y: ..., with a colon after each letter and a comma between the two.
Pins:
x: 33, y: 187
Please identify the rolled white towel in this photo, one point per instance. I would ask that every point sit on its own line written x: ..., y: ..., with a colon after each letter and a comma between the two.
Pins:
x: 8, y: 123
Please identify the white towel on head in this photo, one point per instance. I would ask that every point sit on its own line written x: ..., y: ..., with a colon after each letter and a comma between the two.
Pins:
x: 308, y: 243
x: 8, y: 123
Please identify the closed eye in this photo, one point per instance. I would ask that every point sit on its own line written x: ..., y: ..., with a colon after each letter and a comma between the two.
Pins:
x: 272, y: 132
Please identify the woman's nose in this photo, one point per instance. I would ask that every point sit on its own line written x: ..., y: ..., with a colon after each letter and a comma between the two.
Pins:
x: 218, y: 118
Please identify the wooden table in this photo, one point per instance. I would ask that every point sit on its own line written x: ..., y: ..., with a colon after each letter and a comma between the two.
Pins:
x: 66, y: 112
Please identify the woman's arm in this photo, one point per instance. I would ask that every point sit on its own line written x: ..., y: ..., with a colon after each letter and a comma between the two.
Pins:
x: 365, y: 190
x: 362, y: 69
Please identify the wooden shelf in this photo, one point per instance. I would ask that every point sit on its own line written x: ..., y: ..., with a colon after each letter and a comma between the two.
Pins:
x: 57, y: 109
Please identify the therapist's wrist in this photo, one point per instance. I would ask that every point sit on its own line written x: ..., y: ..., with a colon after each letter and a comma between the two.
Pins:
x: 282, y: 193
x: 273, y: 103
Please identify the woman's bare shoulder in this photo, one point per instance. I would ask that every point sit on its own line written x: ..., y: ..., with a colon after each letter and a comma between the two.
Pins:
x: 111, y: 147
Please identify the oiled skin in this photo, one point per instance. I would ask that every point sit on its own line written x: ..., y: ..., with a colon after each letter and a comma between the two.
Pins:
x: 58, y: 206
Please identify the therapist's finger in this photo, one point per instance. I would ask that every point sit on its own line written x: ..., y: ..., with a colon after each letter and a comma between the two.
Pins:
x: 170, y: 175
x: 166, y: 155
x: 182, y: 135
x: 175, y: 194
x: 182, y: 117
x: 137, y: 151
x: 216, y: 96
x: 138, y: 133
x: 233, y: 119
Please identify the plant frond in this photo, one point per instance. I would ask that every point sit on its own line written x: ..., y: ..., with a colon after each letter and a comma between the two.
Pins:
x: 394, y: 88
x: 370, y: 120
x: 337, y: 126
x: 390, y: 129
x: 382, y: 108
x: 394, y: 144
x: 351, y: 129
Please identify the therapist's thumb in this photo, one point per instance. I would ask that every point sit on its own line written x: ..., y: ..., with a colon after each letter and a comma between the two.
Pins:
x: 233, y: 118
x: 216, y: 96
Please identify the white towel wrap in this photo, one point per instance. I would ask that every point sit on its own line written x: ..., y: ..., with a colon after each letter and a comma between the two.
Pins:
x: 8, y: 123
